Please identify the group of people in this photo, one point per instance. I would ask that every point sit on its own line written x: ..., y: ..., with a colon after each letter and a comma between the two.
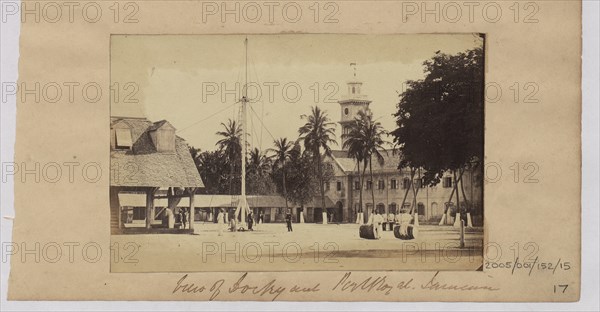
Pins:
x: 377, y: 221
x: 182, y: 218
x: 222, y: 218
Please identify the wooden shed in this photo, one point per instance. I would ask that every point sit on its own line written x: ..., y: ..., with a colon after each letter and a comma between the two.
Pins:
x: 147, y: 157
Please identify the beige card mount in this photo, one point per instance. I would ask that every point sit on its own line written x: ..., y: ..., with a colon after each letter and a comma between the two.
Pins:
x: 297, y: 151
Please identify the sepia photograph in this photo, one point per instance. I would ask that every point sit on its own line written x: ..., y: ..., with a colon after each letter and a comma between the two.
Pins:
x: 297, y: 152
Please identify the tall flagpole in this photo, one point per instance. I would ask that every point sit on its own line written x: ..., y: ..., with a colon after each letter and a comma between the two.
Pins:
x: 243, y: 208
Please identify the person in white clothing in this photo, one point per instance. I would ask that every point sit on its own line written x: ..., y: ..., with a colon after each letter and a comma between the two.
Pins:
x: 376, y: 220
x: 377, y: 224
x: 221, y: 222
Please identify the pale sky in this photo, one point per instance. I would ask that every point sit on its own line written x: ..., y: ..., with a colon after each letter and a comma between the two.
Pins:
x: 175, y: 75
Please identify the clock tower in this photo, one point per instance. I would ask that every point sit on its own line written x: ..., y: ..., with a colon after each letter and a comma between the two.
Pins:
x: 351, y: 103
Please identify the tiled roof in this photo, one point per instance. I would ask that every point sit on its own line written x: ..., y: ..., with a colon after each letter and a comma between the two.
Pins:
x: 348, y: 164
x: 143, y: 166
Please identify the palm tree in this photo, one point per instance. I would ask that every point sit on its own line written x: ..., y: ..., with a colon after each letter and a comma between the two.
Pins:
x: 364, y: 141
x: 230, y: 145
x: 316, y: 134
x: 258, y: 170
x: 354, y: 143
x: 281, y: 154
x: 373, y: 144
x: 258, y: 163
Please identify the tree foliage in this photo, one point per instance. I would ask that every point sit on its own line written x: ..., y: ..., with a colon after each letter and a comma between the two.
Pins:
x: 440, y: 118
x: 258, y: 178
x: 281, y: 155
x: 364, y: 142
x: 213, y: 170
x: 230, y: 146
x: 317, y: 134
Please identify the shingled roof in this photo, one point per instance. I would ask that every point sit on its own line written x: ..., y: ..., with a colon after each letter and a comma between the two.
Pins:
x: 143, y: 166
x: 348, y: 164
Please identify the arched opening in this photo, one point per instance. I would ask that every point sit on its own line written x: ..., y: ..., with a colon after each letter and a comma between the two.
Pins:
x: 353, y: 90
x: 393, y: 208
x: 381, y: 208
x: 421, y: 209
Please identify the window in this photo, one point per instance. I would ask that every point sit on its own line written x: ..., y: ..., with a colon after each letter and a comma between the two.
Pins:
x: 139, y: 213
x: 447, y: 182
x: 346, y: 111
x: 353, y: 90
x: 417, y: 183
x: 381, y: 185
x: 327, y: 186
x: 339, y: 186
x: 357, y: 185
x: 369, y: 184
x: 394, y: 184
x: 421, y: 209
x: 405, y: 183
x: 423, y: 184
x: 123, y: 139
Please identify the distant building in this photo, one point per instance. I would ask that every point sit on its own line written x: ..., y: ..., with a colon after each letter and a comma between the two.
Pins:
x: 389, y: 183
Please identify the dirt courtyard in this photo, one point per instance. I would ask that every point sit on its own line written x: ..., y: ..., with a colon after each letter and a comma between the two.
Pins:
x: 310, y: 247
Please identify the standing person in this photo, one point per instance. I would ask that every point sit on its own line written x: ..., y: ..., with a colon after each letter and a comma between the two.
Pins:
x: 378, y: 223
x: 221, y: 221
x: 391, y: 218
x: 261, y: 217
x: 288, y: 220
x: 250, y: 220
x: 183, y: 218
x: 233, y: 223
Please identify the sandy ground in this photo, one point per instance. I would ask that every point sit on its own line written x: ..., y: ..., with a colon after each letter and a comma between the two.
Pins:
x: 310, y: 247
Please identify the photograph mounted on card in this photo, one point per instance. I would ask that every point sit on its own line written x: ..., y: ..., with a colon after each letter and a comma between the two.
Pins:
x: 338, y: 151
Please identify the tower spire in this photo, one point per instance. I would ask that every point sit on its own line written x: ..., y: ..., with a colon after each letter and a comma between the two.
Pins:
x: 352, y: 103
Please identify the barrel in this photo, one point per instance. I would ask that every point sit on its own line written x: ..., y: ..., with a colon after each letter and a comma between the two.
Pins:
x: 413, y: 231
x: 405, y: 231
x: 366, y: 231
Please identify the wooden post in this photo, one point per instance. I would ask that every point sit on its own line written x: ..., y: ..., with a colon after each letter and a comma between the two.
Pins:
x: 462, y: 234
x: 120, y: 211
x: 192, y: 209
x: 149, y: 207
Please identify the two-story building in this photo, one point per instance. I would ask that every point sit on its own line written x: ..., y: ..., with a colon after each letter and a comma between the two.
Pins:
x: 389, y: 184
